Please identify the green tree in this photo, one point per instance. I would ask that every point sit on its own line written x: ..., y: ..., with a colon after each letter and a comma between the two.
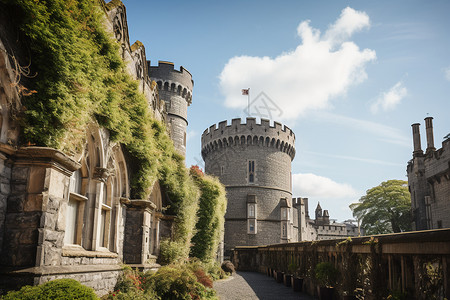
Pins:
x: 385, y: 208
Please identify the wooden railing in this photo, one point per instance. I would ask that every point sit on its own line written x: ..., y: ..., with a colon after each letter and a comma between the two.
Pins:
x: 412, y: 265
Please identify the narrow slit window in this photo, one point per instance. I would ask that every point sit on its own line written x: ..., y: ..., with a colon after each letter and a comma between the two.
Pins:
x: 251, y: 171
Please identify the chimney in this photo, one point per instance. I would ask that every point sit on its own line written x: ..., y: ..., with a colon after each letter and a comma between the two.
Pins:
x: 305, y: 201
x: 416, y: 140
x: 430, y: 138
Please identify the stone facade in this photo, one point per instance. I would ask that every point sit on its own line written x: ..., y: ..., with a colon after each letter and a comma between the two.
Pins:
x: 429, y: 181
x: 253, y: 161
x: 71, y: 216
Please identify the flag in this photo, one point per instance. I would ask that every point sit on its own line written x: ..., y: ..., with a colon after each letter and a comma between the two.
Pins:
x: 245, y: 92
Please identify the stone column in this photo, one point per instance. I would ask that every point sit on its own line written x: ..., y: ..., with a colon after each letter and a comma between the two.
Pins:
x: 137, y: 231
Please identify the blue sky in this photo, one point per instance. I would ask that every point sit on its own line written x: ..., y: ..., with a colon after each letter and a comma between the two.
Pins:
x: 349, y: 77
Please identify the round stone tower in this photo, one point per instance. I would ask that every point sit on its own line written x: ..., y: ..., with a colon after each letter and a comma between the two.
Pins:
x: 175, y: 88
x: 253, y: 161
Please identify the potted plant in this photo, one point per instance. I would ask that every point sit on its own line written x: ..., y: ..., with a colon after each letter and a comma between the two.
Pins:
x: 326, y: 275
x: 296, y: 281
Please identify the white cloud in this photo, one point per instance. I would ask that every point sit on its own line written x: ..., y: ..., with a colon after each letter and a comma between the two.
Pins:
x: 390, y: 99
x: 385, y: 133
x: 447, y: 73
x: 320, y: 68
x: 314, y: 186
x: 353, y: 158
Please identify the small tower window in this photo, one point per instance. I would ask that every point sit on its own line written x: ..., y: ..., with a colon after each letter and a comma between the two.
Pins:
x: 251, y: 214
x: 251, y: 226
x: 251, y: 171
x: 222, y: 170
x: 251, y: 210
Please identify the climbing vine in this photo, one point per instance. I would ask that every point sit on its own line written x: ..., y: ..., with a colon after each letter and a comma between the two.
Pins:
x: 81, y: 78
x: 211, y: 213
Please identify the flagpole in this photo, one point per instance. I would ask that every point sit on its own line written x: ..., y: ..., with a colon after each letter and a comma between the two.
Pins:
x: 248, y: 102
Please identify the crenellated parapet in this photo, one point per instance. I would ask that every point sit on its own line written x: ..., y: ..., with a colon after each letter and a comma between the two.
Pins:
x: 178, y: 82
x: 249, y: 133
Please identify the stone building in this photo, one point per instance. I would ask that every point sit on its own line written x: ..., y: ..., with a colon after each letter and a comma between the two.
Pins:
x: 322, y: 227
x: 72, y: 216
x: 253, y: 161
x: 429, y: 181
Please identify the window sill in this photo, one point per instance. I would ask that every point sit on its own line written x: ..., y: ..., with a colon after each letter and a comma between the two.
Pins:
x: 78, y: 251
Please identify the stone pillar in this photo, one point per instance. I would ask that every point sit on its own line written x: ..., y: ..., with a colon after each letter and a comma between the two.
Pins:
x: 430, y: 138
x: 137, y: 232
x: 416, y: 140
x: 36, y: 208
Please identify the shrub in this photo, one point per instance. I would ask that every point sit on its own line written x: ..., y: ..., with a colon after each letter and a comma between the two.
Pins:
x: 196, y: 267
x: 178, y: 282
x: 132, y: 285
x: 214, y: 270
x: 170, y: 252
x: 56, y: 289
x: 326, y: 274
x: 228, y: 267
x: 211, y: 212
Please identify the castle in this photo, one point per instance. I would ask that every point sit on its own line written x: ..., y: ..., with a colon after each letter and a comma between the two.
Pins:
x: 253, y: 161
x: 429, y: 181
x: 73, y: 216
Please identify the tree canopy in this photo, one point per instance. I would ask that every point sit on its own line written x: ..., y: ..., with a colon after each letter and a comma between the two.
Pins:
x: 385, y: 208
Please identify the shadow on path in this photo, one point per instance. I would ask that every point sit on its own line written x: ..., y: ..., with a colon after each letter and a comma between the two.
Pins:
x: 250, y: 285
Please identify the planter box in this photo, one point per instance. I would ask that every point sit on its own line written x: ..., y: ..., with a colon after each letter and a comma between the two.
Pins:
x: 326, y: 293
x: 279, y: 277
x: 297, y: 284
x: 287, y: 280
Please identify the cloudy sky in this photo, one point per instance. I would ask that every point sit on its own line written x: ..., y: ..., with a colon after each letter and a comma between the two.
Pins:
x: 349, y: 77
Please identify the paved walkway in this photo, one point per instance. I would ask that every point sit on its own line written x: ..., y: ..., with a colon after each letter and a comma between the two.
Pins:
x: 250, y: 285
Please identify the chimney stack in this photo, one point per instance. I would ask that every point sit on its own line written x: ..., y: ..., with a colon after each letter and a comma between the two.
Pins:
x: 416, y: 140
x: 430, y: 138
x: 305, y: 201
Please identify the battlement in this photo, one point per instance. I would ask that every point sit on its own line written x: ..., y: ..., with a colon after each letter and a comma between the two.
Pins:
x: 166, y: 72
x: 249, y: 133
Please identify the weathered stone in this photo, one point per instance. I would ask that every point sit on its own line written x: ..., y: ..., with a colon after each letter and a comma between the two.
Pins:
x: 16, y: 203
x: 61, y: 222
x: 48, y: 220
x: 33, y: 202
x: 52, y: 254
x: 20, y: 173
x: 23, y: 220
x: 29, y: 236
x: 36, y: 180
x: 57, y: 184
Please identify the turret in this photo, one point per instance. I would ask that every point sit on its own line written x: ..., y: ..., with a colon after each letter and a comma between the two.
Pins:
x: 318, y: 211
x: 253, y: 158
x: 175, y: 88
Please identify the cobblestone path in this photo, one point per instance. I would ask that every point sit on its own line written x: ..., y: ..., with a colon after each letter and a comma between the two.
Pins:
x: 250, y: 285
